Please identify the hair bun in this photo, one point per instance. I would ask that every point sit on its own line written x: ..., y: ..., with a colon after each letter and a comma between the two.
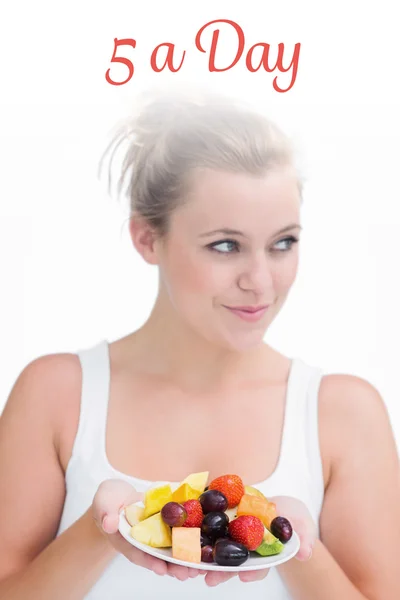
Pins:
x: 177, y: 130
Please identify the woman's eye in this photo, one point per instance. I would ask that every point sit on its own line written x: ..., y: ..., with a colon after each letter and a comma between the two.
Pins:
x: 280, y: 246
x: 221, y: 244
x: 285, y: 244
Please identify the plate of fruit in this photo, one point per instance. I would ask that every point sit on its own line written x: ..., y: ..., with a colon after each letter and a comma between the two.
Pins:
x: 222, y: 526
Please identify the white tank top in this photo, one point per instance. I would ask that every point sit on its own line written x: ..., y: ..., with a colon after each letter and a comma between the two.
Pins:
x: 298, y: 473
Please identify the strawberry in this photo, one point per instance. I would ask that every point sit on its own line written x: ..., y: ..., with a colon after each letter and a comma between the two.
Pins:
x: 248, y: 530
x: 231, y: 486
x: 194, y: 512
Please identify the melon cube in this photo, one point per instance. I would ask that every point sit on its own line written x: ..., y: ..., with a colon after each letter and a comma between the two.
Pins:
x: 258, y: 507
x: 186, y: 544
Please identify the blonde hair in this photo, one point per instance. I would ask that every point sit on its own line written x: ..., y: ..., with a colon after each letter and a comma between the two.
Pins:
x: 174, y: 133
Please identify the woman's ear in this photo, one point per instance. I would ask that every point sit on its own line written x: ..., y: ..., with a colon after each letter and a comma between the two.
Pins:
x: 144, y: 239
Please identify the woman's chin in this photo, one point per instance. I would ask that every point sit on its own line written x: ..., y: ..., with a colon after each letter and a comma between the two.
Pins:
x: 244, y: 342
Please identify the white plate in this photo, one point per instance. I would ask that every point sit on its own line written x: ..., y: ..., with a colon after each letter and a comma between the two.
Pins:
x: 253, y: 563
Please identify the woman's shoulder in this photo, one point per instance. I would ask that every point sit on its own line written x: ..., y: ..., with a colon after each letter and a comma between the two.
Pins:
x: 349, y: 396
x: 51, y: 384
x: 49, y: 374
x: 345, y: 395
x: 349, y: 406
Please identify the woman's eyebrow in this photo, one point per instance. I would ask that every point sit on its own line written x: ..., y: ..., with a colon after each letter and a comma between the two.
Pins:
x: 227, y: 231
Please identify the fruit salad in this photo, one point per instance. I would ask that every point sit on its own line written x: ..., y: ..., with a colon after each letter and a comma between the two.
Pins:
x: 224, y: 522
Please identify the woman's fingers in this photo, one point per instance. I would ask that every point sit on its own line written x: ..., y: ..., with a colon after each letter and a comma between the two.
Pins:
x: 136, y: 556
x: 247, y: 576
x: 307, y: 536
x: 155, y: 564
x: 179, y: 572
x: 183, y: 573
x: 111, y: 496
x: 305, y: 551
x: 160, y: 567
x: 216, y: 577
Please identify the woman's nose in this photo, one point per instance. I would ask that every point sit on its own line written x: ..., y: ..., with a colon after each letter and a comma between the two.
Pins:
x: 257, y: 276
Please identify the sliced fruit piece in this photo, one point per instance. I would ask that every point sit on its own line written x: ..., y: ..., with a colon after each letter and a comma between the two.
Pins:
x: 270, y: 545
x: 194, y: 513
x: 186, y: 544
x: 231, y: 486
x: 269, y: 537
x: 253, y: 505
x: 247, y: 530
x: 252, y: 491
x: 197, y: 481
x: 134, y: 514
x: 155, y: 498
x: 153, y: 532
x: 185, y: 492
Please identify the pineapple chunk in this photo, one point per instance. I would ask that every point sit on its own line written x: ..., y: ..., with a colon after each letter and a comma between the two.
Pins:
x: 185, y: 492
x: 155, y: 498
x: 197, y: 481
x: 153, y: 532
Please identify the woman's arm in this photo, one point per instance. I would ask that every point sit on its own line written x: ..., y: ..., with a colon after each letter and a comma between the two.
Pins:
x: 33, y: 564
x: 357, y: 557
x: 66, y: 569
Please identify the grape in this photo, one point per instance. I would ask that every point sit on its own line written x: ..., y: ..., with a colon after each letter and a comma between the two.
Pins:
x: 207, y: 554
x: 223, y: 537
x: 230, y: 553
x: 214, y: 525
x: 173, y: 514
x: 204, y: 540
x: 213, y: 501
x: 282, y: 529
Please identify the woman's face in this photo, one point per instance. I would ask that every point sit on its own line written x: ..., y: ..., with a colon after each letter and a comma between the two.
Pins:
x: 204, y: 272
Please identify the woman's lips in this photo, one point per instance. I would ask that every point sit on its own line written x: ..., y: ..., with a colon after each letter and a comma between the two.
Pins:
x: 248, y: 316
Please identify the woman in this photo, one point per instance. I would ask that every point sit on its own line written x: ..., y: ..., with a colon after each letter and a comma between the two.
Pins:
x: 215, y: 205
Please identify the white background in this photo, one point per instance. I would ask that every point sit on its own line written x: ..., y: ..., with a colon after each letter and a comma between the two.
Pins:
x: 69, y: 273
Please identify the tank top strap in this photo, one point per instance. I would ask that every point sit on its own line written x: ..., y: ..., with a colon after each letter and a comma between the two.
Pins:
x: 95, y: 365
x: 300, y: 447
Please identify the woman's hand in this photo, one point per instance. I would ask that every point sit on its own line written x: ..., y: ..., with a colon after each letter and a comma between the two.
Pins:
x: 112, y: 496
x: 216, y: 577
x: 301, y: 520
